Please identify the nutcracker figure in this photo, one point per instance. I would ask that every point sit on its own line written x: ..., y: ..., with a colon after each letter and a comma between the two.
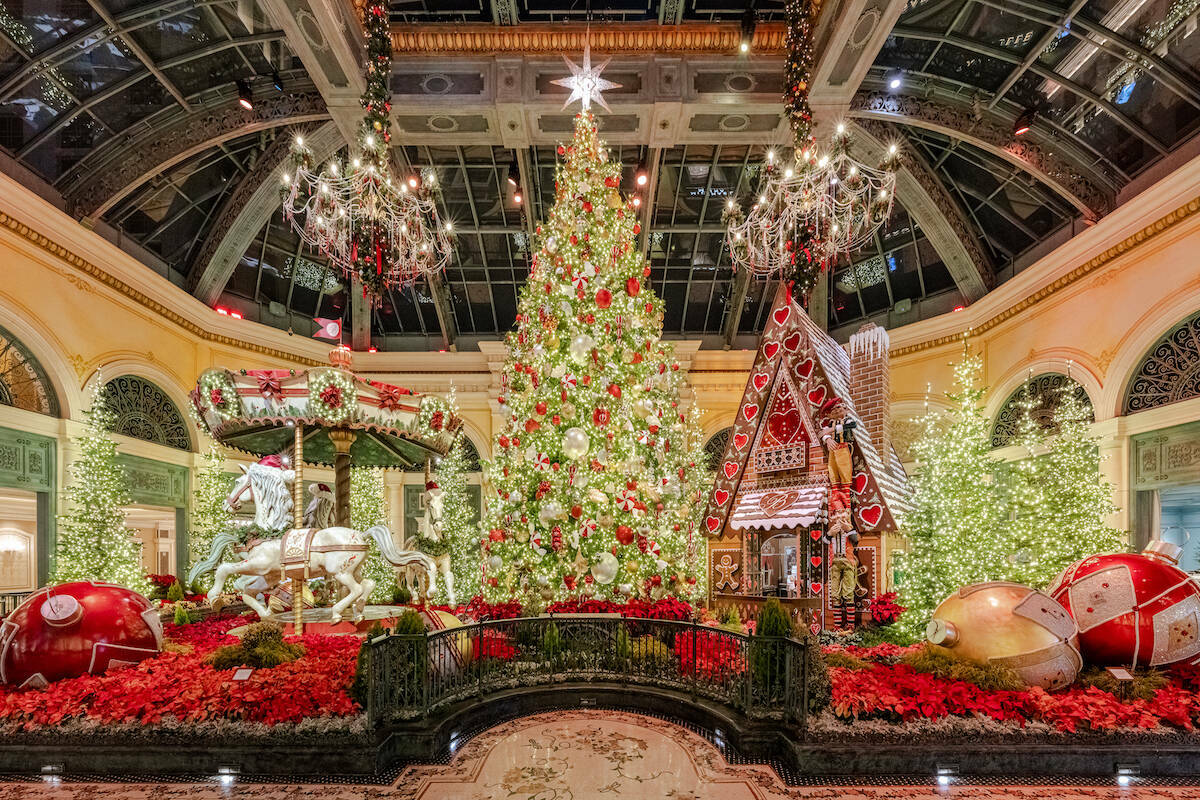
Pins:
x: 843, y: 570
x: 837, y: 434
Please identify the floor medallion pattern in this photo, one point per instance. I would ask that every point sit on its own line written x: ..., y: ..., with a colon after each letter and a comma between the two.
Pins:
x: 579, y: 755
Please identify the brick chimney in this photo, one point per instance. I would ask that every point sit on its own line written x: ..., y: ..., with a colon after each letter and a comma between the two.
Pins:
x: 870, y: 385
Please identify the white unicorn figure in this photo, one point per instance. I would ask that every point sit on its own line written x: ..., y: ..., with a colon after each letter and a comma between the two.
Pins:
x: 332, y: 552
x: 431, y: 529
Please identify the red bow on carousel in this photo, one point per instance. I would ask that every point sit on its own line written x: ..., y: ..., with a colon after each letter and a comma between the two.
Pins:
x: 269, y: 381
x: 389, y: 395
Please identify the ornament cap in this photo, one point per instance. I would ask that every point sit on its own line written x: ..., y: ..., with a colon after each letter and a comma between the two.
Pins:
x: 61, y: 611
x: 1163, y: 551
x: 941, y: 632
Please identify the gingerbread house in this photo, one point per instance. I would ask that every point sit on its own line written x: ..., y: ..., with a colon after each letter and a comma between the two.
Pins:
x: 768, y: 512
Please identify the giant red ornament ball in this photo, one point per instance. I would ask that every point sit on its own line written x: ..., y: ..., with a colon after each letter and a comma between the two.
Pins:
x: 76, y: 628
x: 1133, y: 609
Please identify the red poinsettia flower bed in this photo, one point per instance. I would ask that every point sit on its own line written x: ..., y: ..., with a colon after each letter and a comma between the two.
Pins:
x: 666, y: 608
x: 898, y: 693
x: 181, y: 685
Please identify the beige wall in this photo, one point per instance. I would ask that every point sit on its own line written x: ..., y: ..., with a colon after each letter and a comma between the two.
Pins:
x: 84, y: 308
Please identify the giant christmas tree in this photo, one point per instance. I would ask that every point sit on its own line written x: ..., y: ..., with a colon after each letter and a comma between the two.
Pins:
x: 210, y: 514
x: 598, y: 467
x: 93, y: 542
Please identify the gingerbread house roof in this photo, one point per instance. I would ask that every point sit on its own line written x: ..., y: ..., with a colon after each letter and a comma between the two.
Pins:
x: 795, y: 354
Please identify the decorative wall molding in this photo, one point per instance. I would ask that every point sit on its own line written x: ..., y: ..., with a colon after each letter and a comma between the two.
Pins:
x: 90, y: 270
x: 554, y: 39
x: 1130, y: 243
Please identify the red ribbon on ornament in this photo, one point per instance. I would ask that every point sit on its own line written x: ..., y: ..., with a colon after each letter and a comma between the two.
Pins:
x: 389, y: 395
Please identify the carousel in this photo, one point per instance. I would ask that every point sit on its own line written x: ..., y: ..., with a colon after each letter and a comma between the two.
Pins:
x: 326, y: 416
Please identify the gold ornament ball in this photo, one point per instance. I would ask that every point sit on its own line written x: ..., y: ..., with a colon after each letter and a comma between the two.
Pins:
x: 1006, y: 623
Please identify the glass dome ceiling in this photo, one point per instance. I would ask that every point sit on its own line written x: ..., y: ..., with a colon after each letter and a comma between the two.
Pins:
x: 126, y: 113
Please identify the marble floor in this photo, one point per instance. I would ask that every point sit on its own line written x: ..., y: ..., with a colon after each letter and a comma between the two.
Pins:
x: 579, y: 755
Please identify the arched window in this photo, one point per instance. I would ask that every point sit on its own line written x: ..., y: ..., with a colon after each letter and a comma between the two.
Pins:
x: 1170, y: 370
x: 714, y: 449
x: 1045, y: 392
x: 144, y: 411
x: 23, y: 382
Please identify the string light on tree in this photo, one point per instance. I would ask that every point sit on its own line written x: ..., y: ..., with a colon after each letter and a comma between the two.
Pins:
x: 210, y: 513
x: 368, y: 507
x: 956, y: 528
x: 93, y: 542
x: 598, y: 466
x: 460, y: 523
x: 372, y: 225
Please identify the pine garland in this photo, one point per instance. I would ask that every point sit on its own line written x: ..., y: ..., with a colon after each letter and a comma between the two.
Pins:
x: 93, y: 542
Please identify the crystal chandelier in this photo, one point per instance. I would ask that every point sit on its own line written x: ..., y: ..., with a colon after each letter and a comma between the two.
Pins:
x: 372, y: 225
x: 818, y: 202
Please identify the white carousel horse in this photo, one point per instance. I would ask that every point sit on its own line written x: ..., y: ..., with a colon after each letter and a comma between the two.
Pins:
x: 333, y: 552
x: 431, y: 529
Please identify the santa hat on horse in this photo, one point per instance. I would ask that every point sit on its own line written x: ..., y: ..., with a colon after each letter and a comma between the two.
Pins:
x: 272, y: 461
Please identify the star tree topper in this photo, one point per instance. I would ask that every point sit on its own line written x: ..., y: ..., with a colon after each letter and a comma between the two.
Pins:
x: 585, y: 82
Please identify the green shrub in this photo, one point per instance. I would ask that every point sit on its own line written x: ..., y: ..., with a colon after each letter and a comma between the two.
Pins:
x: 820, y: 687
x: 181, y: 615
x: 262, y: 647
x: 891, y: 634
x: 645, y: 651
x: 358, y: 689
x: 175, y: 592
x: 401, y: 596
x: 941, y: 664
x: 410, y: 623
x: 773, y: 620
x: 1145, y: 683
x: 552, y: 642
x: 838, y: 658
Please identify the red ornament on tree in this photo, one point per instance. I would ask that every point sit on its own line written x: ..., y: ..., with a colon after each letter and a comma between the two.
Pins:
x: 624, y: 534
x: 632, y: 287
x: 603, y: 298
x: 76, y: 628
x: 1133, y: 609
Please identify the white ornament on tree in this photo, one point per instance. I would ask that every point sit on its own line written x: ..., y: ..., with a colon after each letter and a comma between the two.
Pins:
x: 576, y: 443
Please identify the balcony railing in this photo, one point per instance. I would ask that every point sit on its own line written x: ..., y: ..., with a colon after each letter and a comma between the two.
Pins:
x: 10, y: 600
x: 409, y: 677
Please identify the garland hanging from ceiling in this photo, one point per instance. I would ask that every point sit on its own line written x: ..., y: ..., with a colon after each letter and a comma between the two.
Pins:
x: 375, y: 227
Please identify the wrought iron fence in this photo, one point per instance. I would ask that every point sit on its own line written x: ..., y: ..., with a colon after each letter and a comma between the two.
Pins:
x: 411, y: 676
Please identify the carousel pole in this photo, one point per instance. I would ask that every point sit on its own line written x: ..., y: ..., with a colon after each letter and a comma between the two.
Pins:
x: 342, y: 439
x: 298, y: 522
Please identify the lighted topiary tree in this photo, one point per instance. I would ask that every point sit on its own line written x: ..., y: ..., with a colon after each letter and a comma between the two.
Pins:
x: 93, y: 542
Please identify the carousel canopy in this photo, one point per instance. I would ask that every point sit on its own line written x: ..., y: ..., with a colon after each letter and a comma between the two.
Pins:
x: 257, y: 412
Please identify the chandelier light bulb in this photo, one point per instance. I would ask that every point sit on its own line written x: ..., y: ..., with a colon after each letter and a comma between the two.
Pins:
x: 762, y: 198
x: 787, y: 173
x: 357, y: 163
x: 299, y: 141
x: 841, y: 128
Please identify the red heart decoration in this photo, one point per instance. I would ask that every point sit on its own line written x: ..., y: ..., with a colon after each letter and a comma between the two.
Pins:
x: 712, y: 523
x: 816, y: 535
x: 731, y: 469
x: 720, y: 495
x: 817, y: 395
x: 739, y: 440
x: 815, y: 561
x: 781, y: 315
x: 815, y: 587
x: 750, y: 411
x: 860, y: 483
x: 815, y: 629
x: 784, y: 425
x: 871, y: 515
x: 804, y: 368
x: 760, y: 380
x: 770, y: 349
x: 792, y: 342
